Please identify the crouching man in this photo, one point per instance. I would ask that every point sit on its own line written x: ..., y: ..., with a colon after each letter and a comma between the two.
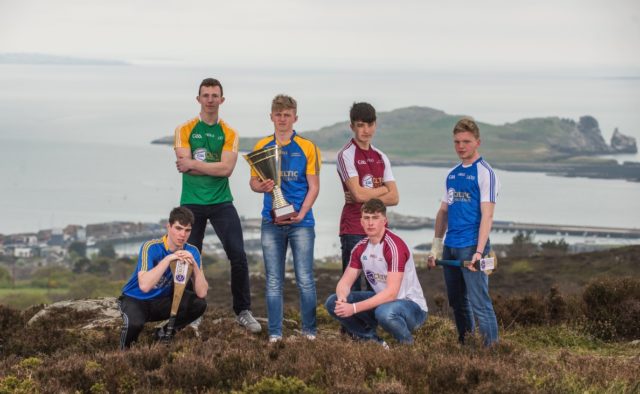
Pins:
x: 396, y: 303
x: 148, y: 295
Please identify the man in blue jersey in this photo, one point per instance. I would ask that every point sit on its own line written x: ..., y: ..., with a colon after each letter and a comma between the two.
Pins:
x: 466, y: 214
x: 300, y: 184
x: 148, y: 295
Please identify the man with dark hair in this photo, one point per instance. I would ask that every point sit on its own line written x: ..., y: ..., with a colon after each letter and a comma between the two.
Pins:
x: 300, y: 184
x: 365, y: 173
x: 148, y: 294
x: 466, y: 214
x: 397, y: 302
x: 206, y: 148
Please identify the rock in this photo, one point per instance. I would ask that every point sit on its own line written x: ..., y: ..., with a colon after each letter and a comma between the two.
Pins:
x: 105, y: 312
x: 590, y: 130
x: 621, y: 143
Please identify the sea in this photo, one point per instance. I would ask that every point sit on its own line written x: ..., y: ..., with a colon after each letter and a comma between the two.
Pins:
x: 75, y: 141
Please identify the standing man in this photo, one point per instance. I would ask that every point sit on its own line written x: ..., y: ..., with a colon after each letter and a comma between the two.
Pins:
x: 397, y: 302
x: 207, y: 150
x: 466, y: 214
x: 149, y: 293
x: 365, y: 173
x: 300, y: 178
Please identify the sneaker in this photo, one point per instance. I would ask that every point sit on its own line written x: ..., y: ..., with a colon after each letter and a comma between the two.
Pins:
x: 384, y: 345
x: 310, y: 337
x: 246, y: 320
x: 275, y: 338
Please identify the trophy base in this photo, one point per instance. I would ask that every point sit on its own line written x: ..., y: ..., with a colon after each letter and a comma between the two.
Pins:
x: 283, y: 214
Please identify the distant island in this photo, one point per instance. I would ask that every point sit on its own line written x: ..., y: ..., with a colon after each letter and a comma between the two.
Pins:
x: 44, y: 59
x: 422, y: 136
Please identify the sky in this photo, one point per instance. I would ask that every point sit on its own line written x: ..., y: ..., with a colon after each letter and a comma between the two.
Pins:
x: 584, y: 35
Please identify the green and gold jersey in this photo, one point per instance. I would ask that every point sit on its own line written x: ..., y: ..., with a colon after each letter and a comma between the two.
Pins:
x: 206, y: 142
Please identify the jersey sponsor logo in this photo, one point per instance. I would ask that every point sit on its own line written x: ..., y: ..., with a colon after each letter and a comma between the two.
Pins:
x: 374, y: 277
x: 290, y: 175
x: 163, y: 282
x: 200, y: 154
x: 367, y: 181
x: 454, y: 196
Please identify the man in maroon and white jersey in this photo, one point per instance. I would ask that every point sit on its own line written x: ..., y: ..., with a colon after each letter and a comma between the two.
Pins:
x: 365, y: 173
x: 397, y: 302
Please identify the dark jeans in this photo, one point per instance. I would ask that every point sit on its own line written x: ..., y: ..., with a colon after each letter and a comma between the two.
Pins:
x: 347, y: 243
x: 226, y: 223
x: 135, y: 313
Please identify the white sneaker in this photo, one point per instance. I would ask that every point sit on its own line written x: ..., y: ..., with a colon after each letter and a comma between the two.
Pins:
x: 246, y: 320
x: 310, y: 337
x: 275, y: 338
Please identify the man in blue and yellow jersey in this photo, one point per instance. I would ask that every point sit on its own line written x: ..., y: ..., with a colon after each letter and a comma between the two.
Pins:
x: 207, y: 150
x: 148, y: 294
x: 300, y: 183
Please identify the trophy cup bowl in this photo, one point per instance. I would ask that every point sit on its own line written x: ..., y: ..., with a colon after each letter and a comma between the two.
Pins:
x: 266, y: 163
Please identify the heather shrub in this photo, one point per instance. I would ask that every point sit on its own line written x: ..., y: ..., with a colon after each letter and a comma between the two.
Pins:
x: 612, y: 308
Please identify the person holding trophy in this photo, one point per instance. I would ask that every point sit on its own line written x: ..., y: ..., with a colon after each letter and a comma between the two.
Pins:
x: 286, y: 168
x: 149, y: 294
x: 466, y: 214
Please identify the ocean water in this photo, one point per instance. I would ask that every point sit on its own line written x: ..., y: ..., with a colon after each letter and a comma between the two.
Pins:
x: 74, y: 141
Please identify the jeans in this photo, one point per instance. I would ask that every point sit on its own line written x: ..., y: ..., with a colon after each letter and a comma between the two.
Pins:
x: 347, y: 243
x: 468, y: 294
x: 399, y: 318
x: 226, y: 223
x: 274, y: 249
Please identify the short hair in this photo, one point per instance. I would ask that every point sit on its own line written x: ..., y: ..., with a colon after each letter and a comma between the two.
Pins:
x: 467, y: 125
x: 375, y: 205
x: 283, y: 102
x: 182, y: 215
x: 210, y: 82
x: 362, y: 112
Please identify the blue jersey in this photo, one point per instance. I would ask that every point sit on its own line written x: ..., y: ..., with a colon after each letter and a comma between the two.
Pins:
x: 151, y: 253
x: 300, y: 157
x: 466, y: 188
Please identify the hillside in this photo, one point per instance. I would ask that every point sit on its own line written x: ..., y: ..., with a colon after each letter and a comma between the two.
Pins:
x: 423, y: 134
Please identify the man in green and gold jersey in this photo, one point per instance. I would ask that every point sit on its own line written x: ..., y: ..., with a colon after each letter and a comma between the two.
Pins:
x: 207, y: 150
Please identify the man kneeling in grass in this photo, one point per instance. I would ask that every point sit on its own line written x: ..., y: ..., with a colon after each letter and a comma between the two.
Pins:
x: 396, y: 303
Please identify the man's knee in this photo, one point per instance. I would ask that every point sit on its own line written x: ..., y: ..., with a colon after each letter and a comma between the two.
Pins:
x: 385, y: 313
x: 330, y: 304
x: 199, y: 306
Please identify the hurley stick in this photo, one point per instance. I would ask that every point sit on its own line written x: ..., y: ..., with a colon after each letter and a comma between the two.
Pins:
x: 181, y: 271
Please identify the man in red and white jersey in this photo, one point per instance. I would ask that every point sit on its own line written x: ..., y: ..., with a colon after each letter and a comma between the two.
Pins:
x: 397, y: 302
x: 365, y: 173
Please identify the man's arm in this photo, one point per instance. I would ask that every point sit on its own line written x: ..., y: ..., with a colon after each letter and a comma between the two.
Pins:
x: 392, y: 197
x: 486, y: 210
x: 390, y: 293
x: 440, y: 228
x: 148, y: 279
x: 312, y: 193
x: 259, y: 186
x: 361, y: 194
x: 223, y: 168
x: 200, y: 284
x: 343, y: 288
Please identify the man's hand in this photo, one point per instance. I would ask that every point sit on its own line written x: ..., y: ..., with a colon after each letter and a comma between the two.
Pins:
x: 435, y: 253
x: 184, y: 164
x: 265, y: 186
x: 344, y: 309
x: 476, y: 257
x: 348, y: 198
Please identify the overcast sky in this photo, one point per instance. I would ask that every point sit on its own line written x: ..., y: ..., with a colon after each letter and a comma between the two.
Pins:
x: 600, y: 35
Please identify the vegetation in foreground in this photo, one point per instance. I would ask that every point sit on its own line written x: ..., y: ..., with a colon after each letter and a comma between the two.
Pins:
x: 549, y: 343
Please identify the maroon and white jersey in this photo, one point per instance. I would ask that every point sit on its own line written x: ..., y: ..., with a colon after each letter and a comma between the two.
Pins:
x: 373, y: 169
x: 390, y: 255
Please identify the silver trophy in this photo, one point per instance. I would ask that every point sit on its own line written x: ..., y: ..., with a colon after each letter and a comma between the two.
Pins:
x: 266, y: 163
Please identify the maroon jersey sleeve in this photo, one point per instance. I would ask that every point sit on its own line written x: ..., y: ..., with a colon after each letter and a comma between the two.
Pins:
x: 356, y: 253
x: 396, y: 252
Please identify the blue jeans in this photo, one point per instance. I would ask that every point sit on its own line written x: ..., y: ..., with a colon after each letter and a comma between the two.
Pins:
x: 274, y: 250
x: 399, y: 318
x: 347, y: 243
x: 468, y: 294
